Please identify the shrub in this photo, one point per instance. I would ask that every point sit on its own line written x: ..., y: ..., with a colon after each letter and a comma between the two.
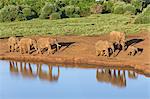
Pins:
x: 1, y: 5
x: 108, y: 6
x: 137, y: 4
x: 84, y: 11
x: 144, y: 17
x: 129, y: 9
x: 77, y: 10
x: 61, y: 3
x: 47, y: 10
x: 118, y: 9
x: 145, y: 3
x: 119, y: 3
x: 70, y: 10
x: 146, y: 11
x: 27, y: 12
x: 74, y: 2
x: 9, y: 13
x: 96, y: 8
x: 55, y: 16
x: 20, y: 17
x: 38, y: 6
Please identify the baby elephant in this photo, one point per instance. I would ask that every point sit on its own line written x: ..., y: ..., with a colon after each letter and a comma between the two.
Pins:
x: 13, y: 44
x: 103, y: 48
x: 118, y: 37
x: 47, y: 43
x: 132, y: 50
x: 26, y: 44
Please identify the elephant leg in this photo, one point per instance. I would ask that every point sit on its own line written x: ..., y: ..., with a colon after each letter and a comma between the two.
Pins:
x: 107, y: 53
x: 97, y: 53
x: 21, y: 50
x: 39, y: 50
x: 123, y: 46
x: 14, y: 47
x: 50, y: 50
x: 10, y: 48
x: 102, y: 52
x: 57, y: 46
x: 134, y: 52
x: 28, y: 50
x: 129, y: 53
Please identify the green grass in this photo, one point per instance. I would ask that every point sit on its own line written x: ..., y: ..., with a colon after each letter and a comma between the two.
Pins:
x: 103, y: 23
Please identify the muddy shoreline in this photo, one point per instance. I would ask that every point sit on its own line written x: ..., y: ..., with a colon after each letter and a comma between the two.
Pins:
x: 82, y: 52
x: 80, y: 62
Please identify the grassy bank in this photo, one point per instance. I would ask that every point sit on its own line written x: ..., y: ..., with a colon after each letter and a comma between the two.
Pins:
x: 92, y: 25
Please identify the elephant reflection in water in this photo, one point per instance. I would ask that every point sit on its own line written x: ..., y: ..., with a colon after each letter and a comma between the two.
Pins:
x: 132, y: 75
x: 13, y: 67
x: 115, y: 77
x: 26, y: 71
x: 110, y: 76
x: 43, y: 75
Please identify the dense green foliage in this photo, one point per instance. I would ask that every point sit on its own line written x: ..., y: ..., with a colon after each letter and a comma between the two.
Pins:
x: 129, y: 9
x: 108, y: 6
x: 118, y: 9
x: 137, y: 4
x: 9, y: 13
x: 19, y: 10
x: 47, y: 10
x: 144, y: 17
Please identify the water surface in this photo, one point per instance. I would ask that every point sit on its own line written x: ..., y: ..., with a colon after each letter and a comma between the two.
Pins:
x: 20, y: 80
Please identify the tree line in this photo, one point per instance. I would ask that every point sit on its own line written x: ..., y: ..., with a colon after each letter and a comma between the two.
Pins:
x: 19, y: 10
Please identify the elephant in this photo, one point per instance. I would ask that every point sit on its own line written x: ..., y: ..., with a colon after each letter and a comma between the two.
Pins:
x: 118, y: 38
x: 26, y: 44
x: 103, y: 47
x: 47, y: 43
x: 13, y: 44
x: 132, y: 50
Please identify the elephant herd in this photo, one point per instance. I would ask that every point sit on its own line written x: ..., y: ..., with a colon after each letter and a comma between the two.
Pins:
x: 117, y: 41
x: 102, y: 47
x: 25, y: 45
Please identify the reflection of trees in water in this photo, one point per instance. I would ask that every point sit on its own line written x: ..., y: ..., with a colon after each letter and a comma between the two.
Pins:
x: 113, y: 76
x: 26, y: 70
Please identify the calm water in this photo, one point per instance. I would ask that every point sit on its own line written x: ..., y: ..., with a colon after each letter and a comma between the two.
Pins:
x: 26, y: 81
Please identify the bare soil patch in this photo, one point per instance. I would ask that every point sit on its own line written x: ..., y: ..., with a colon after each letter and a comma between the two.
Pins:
x: 81, y: 50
